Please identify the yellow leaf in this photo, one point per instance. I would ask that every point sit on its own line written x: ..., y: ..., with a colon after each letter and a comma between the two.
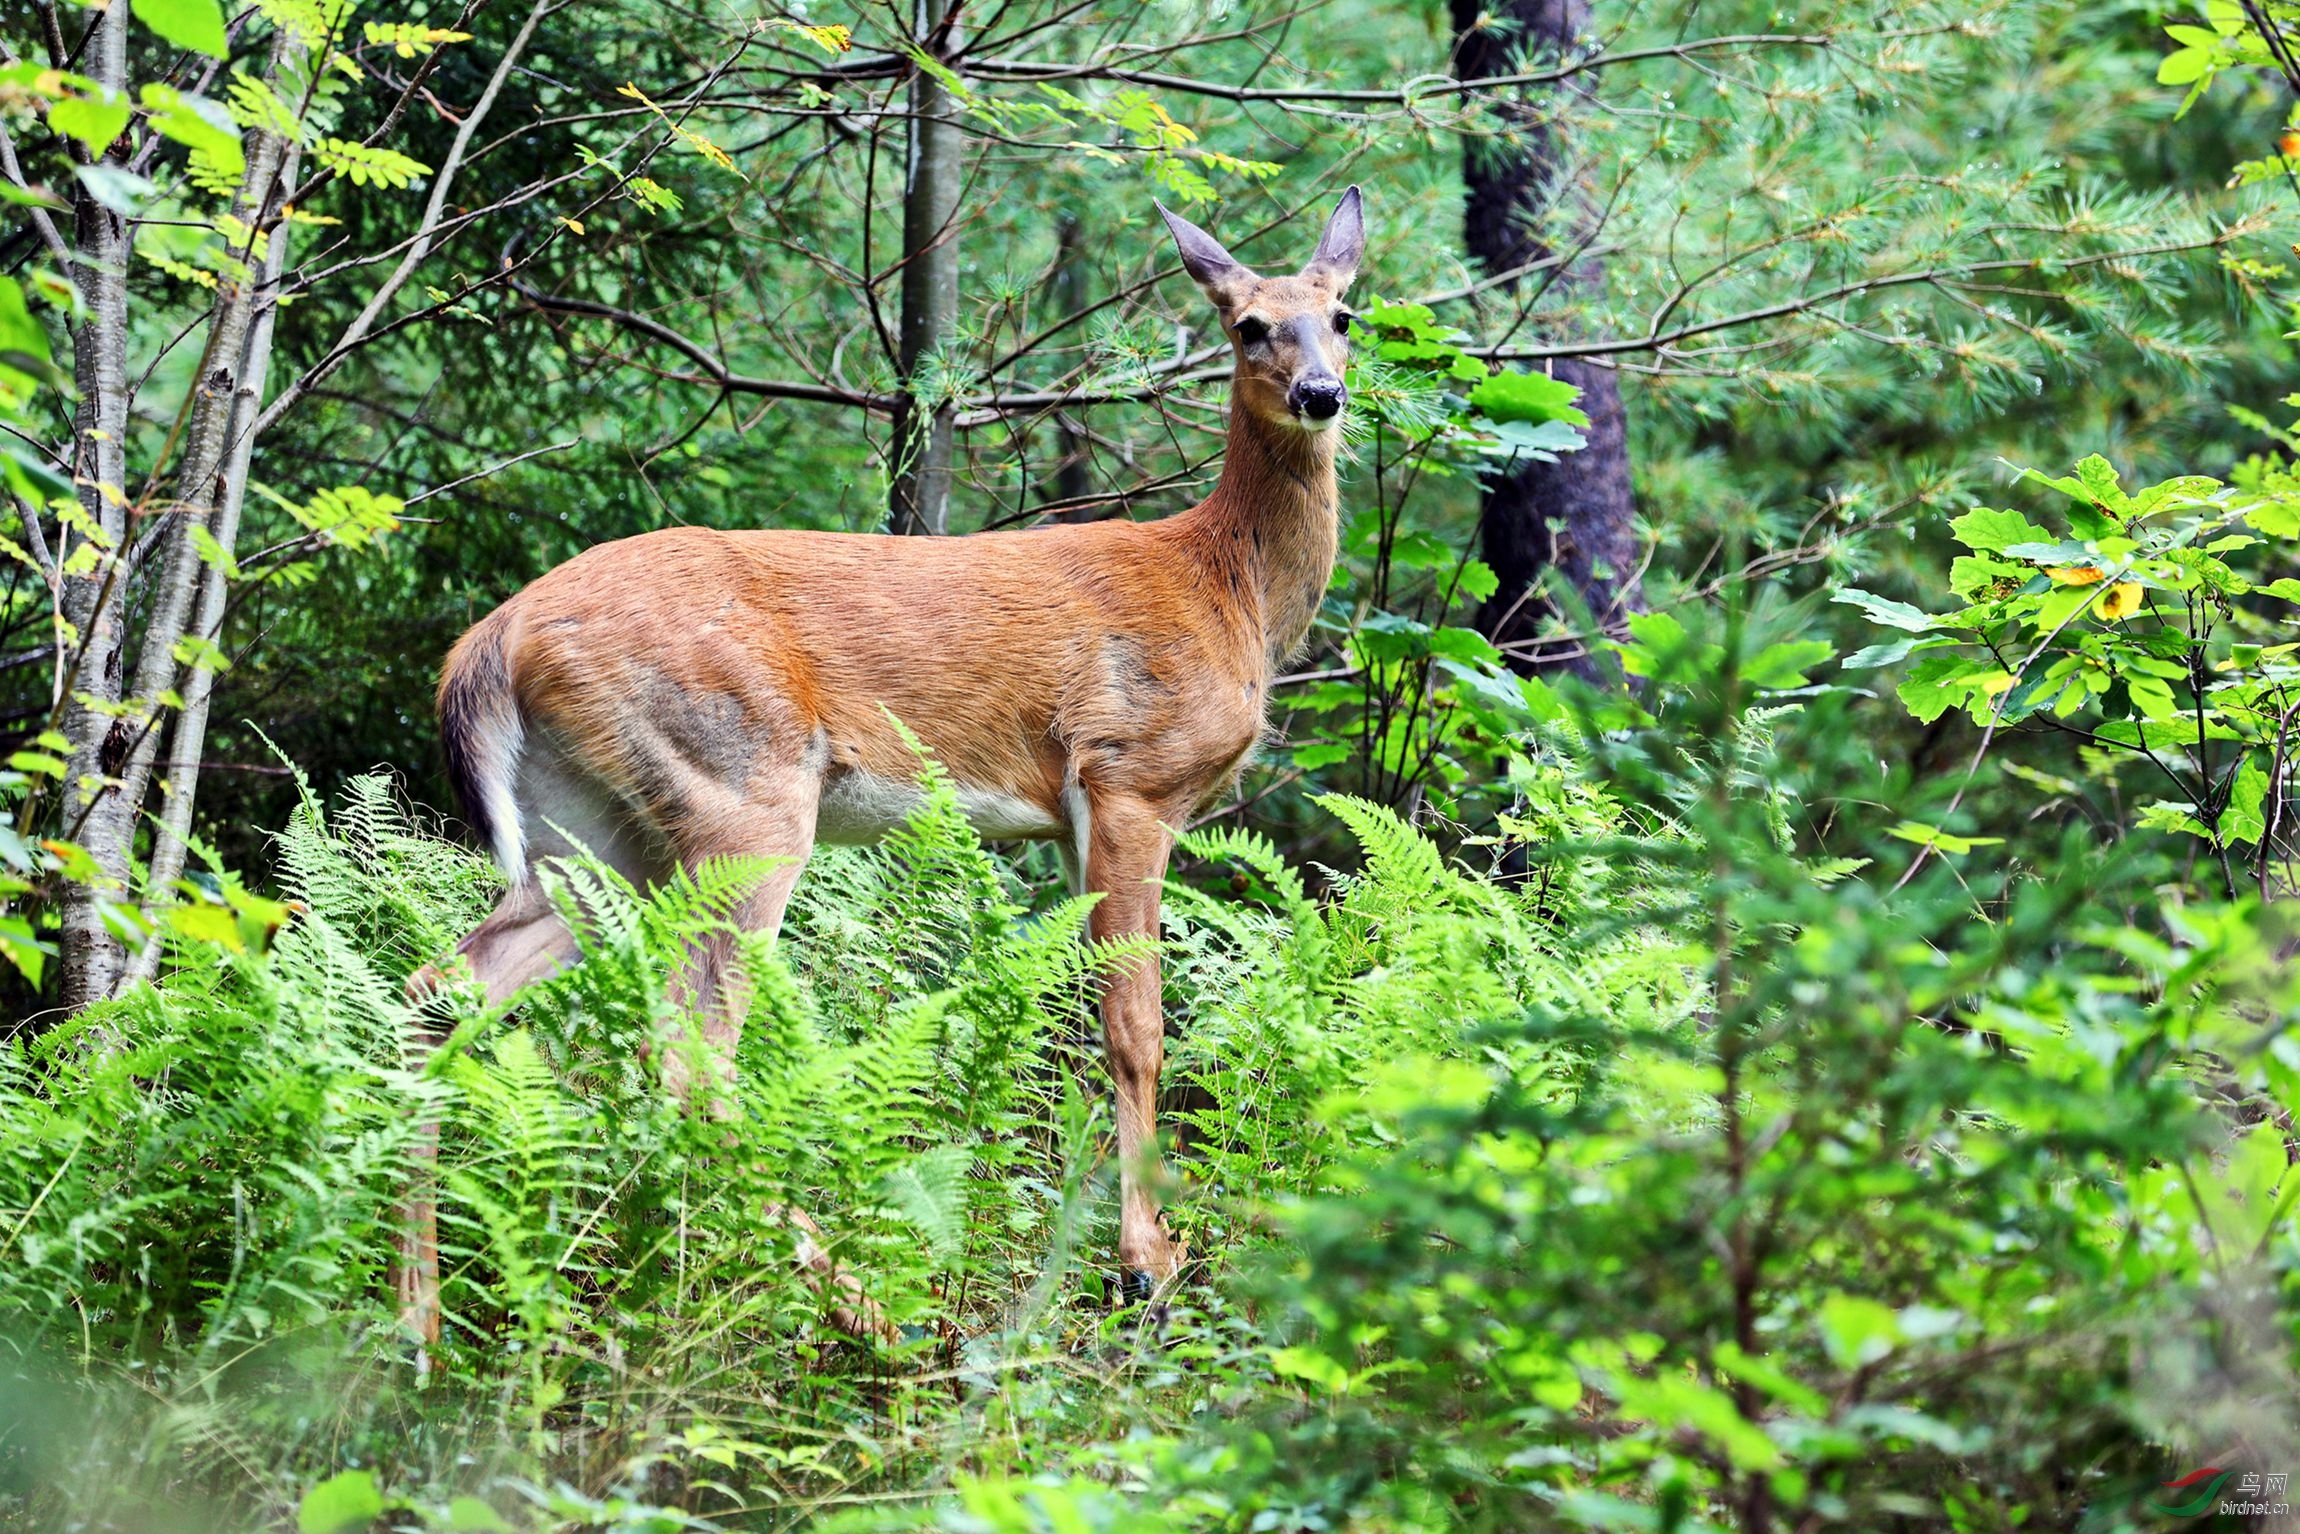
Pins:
x: 831, y: 39
x: 2121, y: 600
x: 208, y: 924
x: 574, y: 224
x: 2075, y: 575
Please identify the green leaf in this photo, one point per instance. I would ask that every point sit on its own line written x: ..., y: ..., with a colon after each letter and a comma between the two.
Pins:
x: 1889, y: 653
x: 204, y: 923
x: 19, y: 332
x: 1419, y: 551
x: 2057, y: 612
x: 1885, y: 610
x: 1419, y: 319
x: 2098, y: 476
x: 1940, y: 841
x: 94, y: 123
x: 1541, y: 701
x: 21, y: 948
x: 1309, y: 1366
x: 194, y: 24
x: 1323, y: 754
x: 2276, y: 519
x: 469, y: 1515
x: 1531, y: 397
x: 1487, y: 683
x: 2245, y: 819
x: 30, y: 476
x: 2167, y: 815
x: 1940, y: 682
x: 1992, y: 532
x: 1771, y: 1378
x: 200, y: 125
x: 1478, y: 582
x: 2056, y: 551
x: 31, y: 197
x: 116, y: 187
x: 1781, y: 666
x: 2152, y: 697
x: 213, y: 554
x: 2183, y: 66
x: 341, y: 1504
x: 1538, y: 440
x: 1972, y: 574
x: 1465, y: 645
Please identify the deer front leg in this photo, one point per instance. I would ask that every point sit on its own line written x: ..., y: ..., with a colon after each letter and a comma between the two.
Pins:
x: 1126, y: 848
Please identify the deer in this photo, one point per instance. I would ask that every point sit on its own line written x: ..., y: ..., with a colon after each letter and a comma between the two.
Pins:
x: 689, y: 694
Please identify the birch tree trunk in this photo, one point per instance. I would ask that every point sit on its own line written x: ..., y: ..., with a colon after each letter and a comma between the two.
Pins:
x: 200, y: 485
x: 1577, y: 516
x: 115, y: 731
x: 924, y: 444
x: 94, y: 602
x: 190, y: 735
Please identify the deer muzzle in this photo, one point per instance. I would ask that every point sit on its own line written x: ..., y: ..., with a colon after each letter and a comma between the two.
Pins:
x: 1317, y: 397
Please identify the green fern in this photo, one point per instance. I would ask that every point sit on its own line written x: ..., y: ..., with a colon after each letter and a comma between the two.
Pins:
x: 213, y: 1165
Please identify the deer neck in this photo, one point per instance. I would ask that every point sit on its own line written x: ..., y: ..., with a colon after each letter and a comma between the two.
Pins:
x: 1272, y: 525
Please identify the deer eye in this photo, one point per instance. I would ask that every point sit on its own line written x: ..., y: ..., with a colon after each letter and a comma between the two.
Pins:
x: 1252, y: 331
x: 1342, y: 322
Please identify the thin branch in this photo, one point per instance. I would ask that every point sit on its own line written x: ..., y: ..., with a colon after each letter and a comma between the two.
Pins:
x: 434, y: 209
x: 1406, y: 94
x: 556, y: 447
x: 715, y: 371
x: 1661, y: 341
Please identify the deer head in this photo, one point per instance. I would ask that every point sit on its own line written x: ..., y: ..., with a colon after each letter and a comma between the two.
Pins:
x: 1290, y: 334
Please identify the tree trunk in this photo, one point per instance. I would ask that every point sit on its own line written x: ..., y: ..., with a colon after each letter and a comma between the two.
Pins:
x: 119, y: 728
x: 93, y: 813
x: 1576, y: 516
x: 1072, y: 482
x: 924, y: 444
x: 173, y: 838
x: 201, y: 488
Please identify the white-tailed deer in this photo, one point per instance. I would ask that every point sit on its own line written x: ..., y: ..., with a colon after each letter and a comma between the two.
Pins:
x: 688, y: 694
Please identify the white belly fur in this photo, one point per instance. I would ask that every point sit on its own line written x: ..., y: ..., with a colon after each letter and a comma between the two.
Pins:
x: 857, y: 807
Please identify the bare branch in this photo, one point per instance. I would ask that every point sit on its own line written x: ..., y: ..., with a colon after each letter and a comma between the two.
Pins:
x: 433, y: 211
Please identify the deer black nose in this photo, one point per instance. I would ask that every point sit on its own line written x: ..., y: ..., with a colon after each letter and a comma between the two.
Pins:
x: 1318, y: 398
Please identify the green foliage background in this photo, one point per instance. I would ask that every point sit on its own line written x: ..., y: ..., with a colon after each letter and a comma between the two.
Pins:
x: 1731, y: 1100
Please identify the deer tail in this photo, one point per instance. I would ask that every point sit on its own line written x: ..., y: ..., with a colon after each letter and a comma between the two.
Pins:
x: 481, y: 725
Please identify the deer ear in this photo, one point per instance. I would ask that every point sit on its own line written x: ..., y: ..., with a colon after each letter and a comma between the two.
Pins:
x: 1342, y: 245
x: 1209, y: 265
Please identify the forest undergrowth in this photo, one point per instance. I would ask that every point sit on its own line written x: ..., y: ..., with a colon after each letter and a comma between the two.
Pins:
x: 1649, y: 1171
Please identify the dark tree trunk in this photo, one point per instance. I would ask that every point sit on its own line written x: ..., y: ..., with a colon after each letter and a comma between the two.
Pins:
x: 1576, y: 516
x: 925, y: 444
x: 1072, y: 483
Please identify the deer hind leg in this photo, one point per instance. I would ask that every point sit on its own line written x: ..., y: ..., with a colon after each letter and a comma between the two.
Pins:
x: 524, y: 939
x: 770, y: 818
x: 1126, y: 851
